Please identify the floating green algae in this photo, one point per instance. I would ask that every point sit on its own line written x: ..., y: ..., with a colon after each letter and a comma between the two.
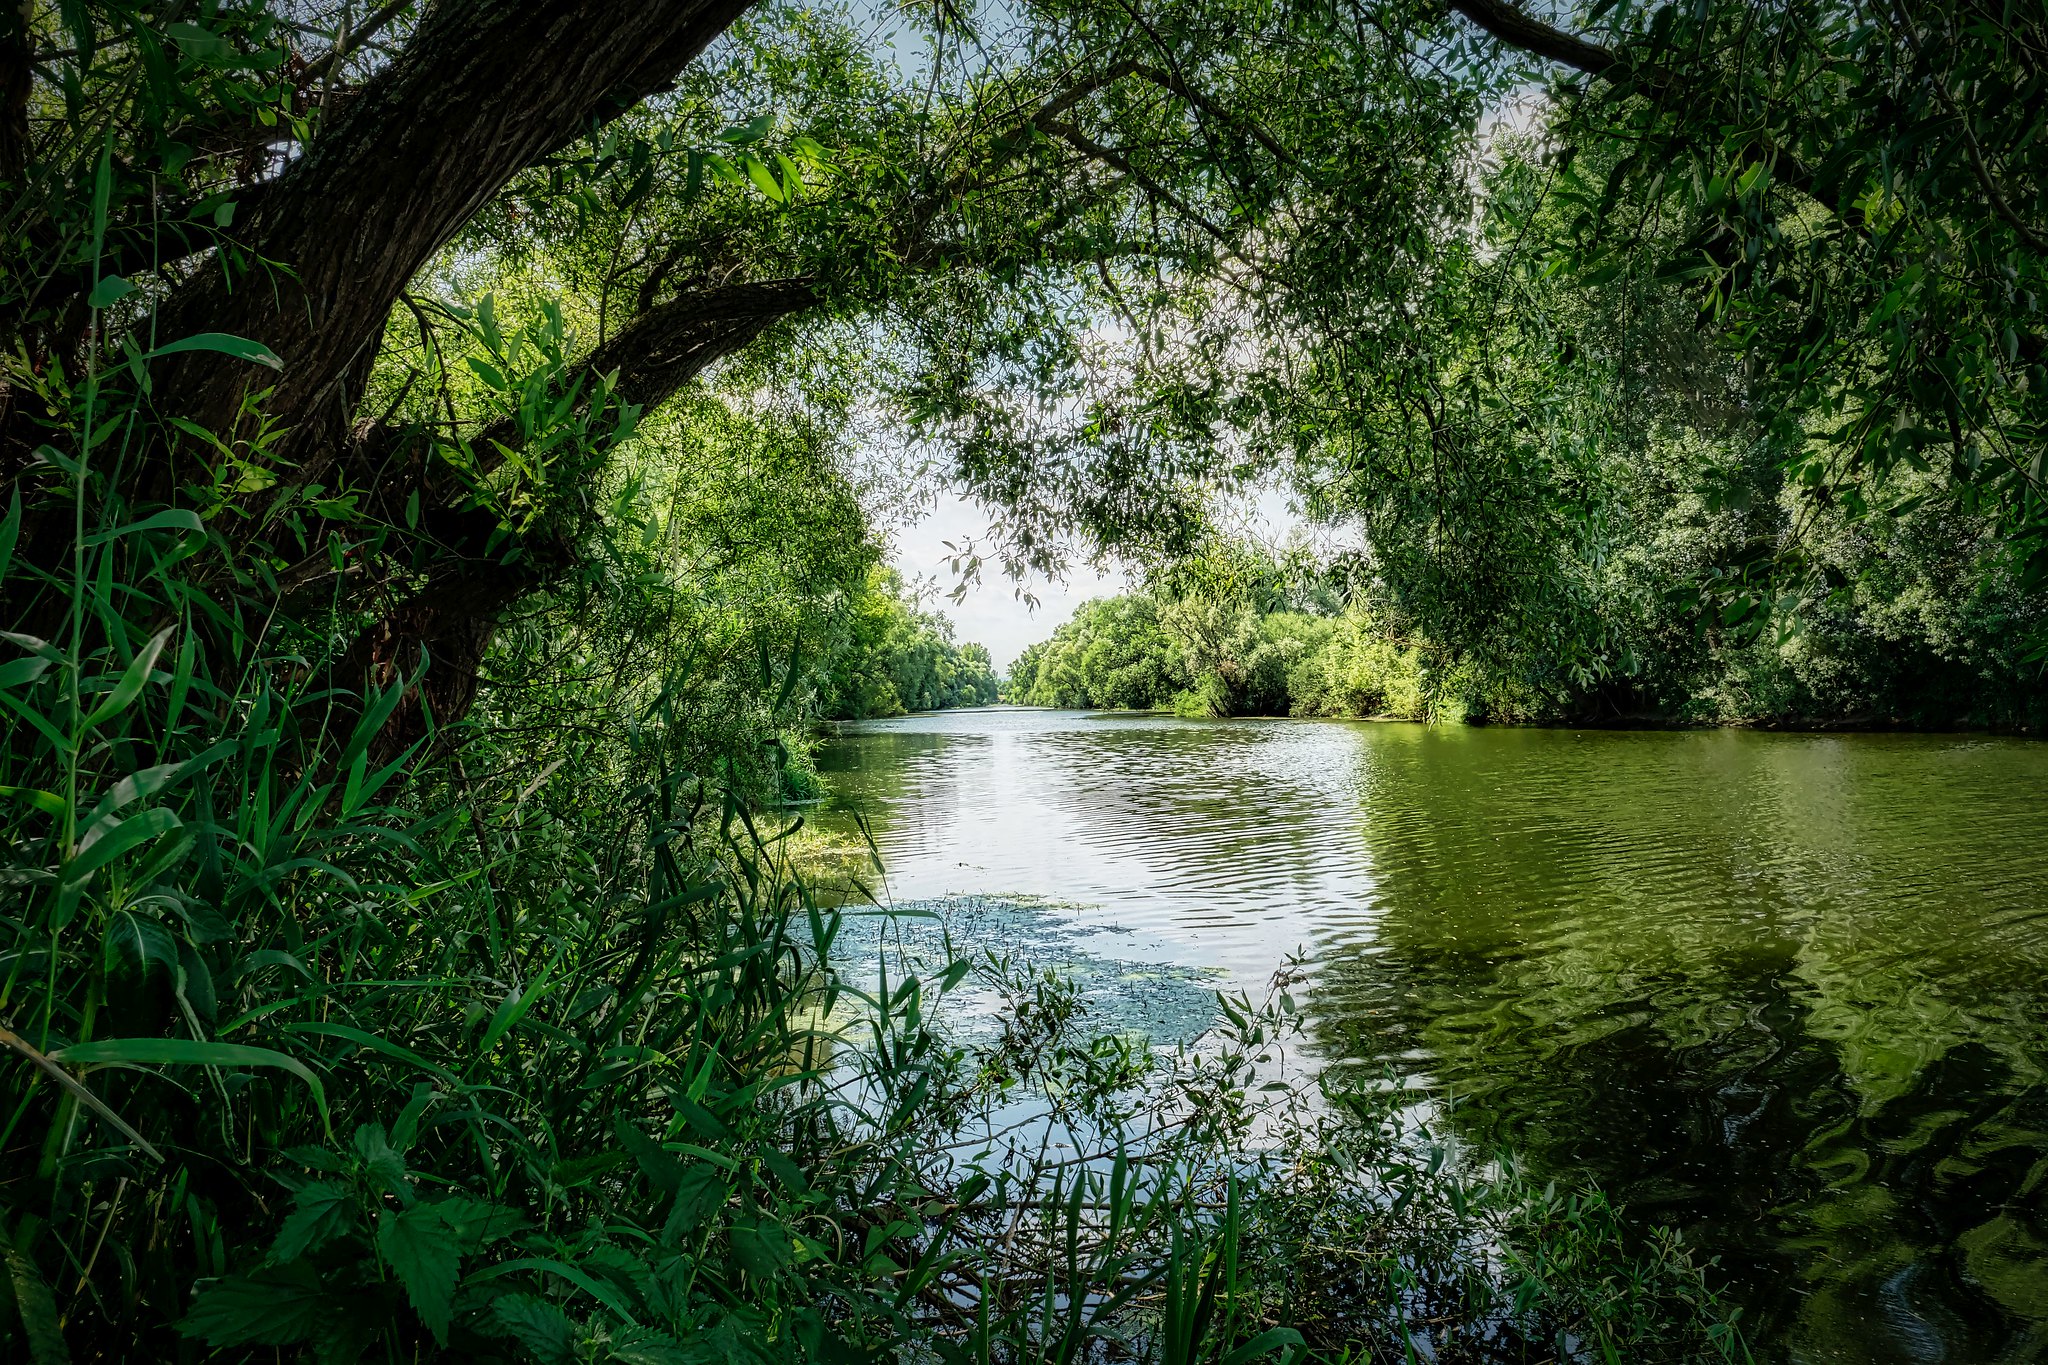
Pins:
x: 1169, y: 1005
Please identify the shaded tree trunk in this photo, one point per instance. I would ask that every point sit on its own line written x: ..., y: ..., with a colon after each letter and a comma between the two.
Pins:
x: 482, y: 91
x: 17, y: 53
x: 449, y: 621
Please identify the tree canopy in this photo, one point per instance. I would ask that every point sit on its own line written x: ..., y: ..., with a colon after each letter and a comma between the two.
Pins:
x: 450, y: 448
x: 1100, y: 260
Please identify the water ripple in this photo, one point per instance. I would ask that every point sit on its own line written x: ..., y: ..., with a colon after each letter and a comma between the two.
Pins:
x: 1790, y: 992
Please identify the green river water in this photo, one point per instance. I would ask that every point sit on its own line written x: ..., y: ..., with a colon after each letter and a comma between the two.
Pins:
x: 1788, y: 992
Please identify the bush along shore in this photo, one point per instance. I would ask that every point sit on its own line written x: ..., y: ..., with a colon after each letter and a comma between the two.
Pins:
x: 1238, y: 631
x: 520, y: 1040
x: 517, y: 1039
x: 332, y: 1077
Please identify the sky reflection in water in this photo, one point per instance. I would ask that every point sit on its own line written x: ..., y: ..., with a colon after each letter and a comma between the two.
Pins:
x: 1787, y: 991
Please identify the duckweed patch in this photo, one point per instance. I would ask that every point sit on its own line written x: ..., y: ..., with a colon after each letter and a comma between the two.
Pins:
x: 1167, y: 1005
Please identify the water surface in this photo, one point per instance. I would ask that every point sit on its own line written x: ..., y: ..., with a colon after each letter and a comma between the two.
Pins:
x: 1789, y: 992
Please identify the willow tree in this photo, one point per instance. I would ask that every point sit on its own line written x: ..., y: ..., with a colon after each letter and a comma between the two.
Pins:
x: 262, y: 233
x: 1776, y: 270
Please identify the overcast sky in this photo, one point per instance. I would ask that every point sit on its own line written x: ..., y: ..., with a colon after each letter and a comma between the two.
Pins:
x: 994, y: 613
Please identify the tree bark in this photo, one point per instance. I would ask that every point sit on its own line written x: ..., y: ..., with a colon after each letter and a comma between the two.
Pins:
x: 483, y: 90
x: 667, y: 346
x: 17, y: 53
x: 450, y: 620
x: 1532, y: 35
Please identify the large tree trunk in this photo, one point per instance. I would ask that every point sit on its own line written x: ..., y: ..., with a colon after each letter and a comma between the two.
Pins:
x: 17, y: 53
x: 483, y: 90
x: 449, y: 622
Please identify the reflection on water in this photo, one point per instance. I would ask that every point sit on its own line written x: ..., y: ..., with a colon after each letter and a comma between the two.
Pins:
x: 1787, y: 991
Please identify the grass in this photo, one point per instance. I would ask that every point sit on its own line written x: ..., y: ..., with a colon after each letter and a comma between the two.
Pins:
x: 311, y: 1054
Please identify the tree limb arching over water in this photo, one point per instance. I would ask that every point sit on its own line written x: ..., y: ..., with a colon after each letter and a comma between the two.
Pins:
x: 451, y: 449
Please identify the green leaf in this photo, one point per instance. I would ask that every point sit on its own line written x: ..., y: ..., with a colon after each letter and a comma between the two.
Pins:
x: 108, y: 842
x: 183, y: 519
x: 476, y: 1223
x: 132, y: 680
x: 753, y: 130
x: 792, y: 177
x: 405, y: 1129
x: 422, y: 1249
x: 48, y: 802
x: 583, y: 1169
x: 1685, y: 268
x: 276, y: 1306
x: 373, y: 1148
x: 241, y: 348
x: 36, y: 1308
x: 135, y: 944
x: 513, y: 1009
x: 10, y: 531
x: 603, y: 1291
x: 197, y: 42
x: 1265, y: 1344
x: 700, y: 1193
x: 109, y: 291
x: 662, y: 1167
x: 764, y: 179
x: 762, y: 1245
x: 321, y: 1212
x: 537, y: 1325
x: 644, y: 1346
x: 188, y: 1052
x: 360, y: 1037
x: 193, y: 980
x: 138, y: 786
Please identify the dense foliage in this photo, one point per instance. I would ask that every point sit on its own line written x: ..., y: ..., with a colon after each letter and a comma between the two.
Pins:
x: 1922, y: 634
x: 900, y: 658
x: 435, y: 437
x: 1218, y: 652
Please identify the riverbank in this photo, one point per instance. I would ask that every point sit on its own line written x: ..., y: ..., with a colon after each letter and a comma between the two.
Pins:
x: 1845, y: 725
x: 1245, y: 636
x: 1780, y: 991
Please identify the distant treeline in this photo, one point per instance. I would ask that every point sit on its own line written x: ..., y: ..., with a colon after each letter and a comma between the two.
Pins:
x: 898, y: 658
x: 1201, y: 656
x: 1239, y: 634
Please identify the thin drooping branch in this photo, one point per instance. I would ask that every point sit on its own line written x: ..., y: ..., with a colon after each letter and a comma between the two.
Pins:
x: 1251, y: 127
x: 1993, y: 193
x: 1518, y: 29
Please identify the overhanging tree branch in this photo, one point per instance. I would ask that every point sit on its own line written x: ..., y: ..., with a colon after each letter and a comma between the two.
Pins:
x: 1532, y: 35
x: 481, y: 91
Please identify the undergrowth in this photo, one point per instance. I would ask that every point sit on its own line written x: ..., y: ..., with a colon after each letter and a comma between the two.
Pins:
x: 314, y: 1049
x: 312, y: 1056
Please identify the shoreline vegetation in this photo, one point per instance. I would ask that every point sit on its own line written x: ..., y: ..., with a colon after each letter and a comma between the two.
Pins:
x: 1240, y: 631
x: 448, y: 447
x: 1790, y: 726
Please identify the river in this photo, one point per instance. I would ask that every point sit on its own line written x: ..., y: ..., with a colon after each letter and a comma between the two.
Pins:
x: 1787, y: 992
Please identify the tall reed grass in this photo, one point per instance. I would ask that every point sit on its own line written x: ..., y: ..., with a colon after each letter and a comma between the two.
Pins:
x: 316, y: 1052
